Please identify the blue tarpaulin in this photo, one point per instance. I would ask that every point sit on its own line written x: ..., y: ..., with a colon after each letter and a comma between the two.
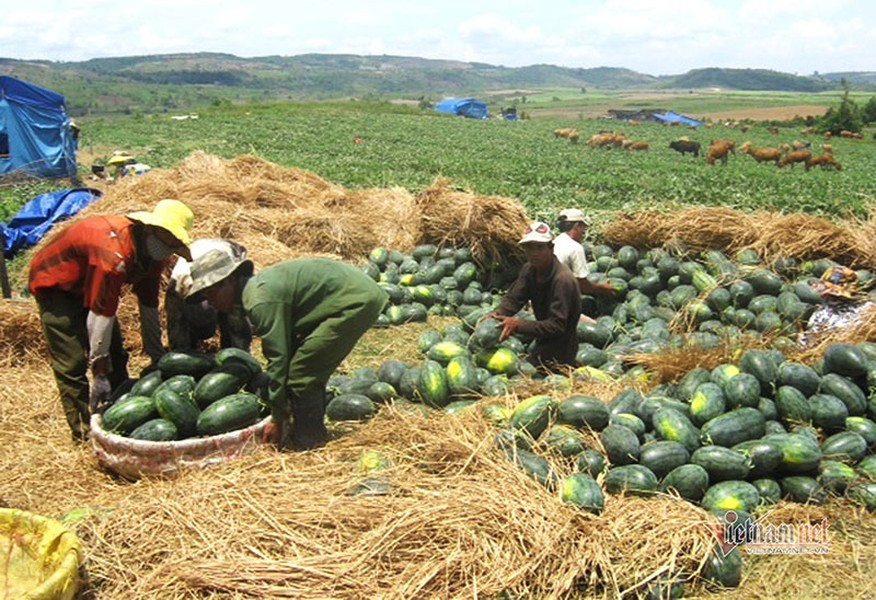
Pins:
x: 674, y: 117
x: 36, y: 217
x: 465, y: 107
x: 35, y: 135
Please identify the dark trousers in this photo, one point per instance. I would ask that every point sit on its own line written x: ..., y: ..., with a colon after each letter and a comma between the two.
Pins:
x: 63, y: 320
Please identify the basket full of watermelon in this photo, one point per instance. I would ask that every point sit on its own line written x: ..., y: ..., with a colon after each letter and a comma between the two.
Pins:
x: 191, y: 410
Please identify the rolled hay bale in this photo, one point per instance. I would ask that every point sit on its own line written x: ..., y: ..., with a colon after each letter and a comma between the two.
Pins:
x: 41, y: 557
x: 489, y: 225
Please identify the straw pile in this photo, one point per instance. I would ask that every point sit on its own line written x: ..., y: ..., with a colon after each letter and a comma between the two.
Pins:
x: 280, y: 213
x: 489, y: 225
x: 772, y: 235
x: 276, y: 212
x: 21, y: 332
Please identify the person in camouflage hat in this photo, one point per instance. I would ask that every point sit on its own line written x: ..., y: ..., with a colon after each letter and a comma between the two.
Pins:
x: 189, y: 323
x: 309, y: 313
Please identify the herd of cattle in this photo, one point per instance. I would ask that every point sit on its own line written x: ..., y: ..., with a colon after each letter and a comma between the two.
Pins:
x: 719, y: 150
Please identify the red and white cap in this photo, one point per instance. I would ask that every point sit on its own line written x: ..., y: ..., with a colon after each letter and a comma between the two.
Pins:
x: 537, y: 232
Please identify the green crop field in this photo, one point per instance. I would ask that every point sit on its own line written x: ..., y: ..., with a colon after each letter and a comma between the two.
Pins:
x: 404, y: 146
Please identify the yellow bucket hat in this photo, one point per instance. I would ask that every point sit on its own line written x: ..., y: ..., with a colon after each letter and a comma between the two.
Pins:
x: 120, y: 159
x: 172, y: 215
x: 839, y: 282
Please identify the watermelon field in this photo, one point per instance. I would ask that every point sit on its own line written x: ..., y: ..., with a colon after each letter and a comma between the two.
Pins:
x: 455, y: 469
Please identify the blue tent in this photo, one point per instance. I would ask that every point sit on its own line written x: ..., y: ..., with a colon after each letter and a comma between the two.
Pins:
x: 39, y: 214
x: 464, y: 107
x: 674, y: 117
x: 35, y: 134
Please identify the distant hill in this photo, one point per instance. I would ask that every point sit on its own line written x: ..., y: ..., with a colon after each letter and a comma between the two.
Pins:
x: 748, y: 79
x: 120, y: 83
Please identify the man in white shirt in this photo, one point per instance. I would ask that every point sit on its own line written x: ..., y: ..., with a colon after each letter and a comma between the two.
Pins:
x: 569, y: 251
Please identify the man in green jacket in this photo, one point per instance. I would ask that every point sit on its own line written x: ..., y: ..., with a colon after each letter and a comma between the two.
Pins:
x: 309, y: 314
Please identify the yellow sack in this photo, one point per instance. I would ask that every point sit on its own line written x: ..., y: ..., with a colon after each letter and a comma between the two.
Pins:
x: 40, y: 557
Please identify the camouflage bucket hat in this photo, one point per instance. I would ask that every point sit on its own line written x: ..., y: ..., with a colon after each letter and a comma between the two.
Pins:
x: 838, y: 282
x: 214, y: 266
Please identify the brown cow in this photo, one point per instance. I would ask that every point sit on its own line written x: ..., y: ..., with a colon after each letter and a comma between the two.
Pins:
x: 718, y: 150
x: 825, y: 161
x: 792, y: 158
x: 761, y: 154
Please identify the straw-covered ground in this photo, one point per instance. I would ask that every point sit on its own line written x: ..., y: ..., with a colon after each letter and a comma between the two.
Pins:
x: 460, y: 521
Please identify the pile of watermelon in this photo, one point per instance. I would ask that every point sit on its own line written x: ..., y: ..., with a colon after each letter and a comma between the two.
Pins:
x: 190, y: 394
x: 433, y: 281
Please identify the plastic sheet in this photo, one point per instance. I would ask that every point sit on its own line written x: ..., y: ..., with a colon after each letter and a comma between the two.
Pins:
x: 132, y: 459
x: 40, y: 557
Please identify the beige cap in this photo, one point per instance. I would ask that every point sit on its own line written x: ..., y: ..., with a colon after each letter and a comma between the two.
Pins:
x: 537, y: 232
x: 572, y: 215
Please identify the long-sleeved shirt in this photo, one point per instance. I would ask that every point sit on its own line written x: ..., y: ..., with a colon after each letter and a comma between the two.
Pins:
x: 287, y: 301
x: 94, y: 258
x: 556, y: 302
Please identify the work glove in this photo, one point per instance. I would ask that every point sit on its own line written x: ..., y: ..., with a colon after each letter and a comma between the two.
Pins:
x: 100, y: 394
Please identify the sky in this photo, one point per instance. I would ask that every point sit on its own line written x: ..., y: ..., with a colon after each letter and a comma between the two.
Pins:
x: 665, y: 37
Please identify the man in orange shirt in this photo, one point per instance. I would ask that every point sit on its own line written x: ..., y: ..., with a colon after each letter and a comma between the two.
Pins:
x: 77, y: 279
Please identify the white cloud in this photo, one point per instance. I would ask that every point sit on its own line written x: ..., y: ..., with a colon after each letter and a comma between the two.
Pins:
x: 671, y: 36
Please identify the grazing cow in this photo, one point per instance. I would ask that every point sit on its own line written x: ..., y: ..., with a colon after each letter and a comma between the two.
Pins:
x: 718, y: 150
x: 827, y: 148
x: 798, y: 145
x: 607, y: 140
x: 744, y: 128
x: 773, y: 130
x: 761, y: 154
x: 792, y: 158
x: 569, y: 133
x: 807, y: 131
x: 825, y: 161
x: 685, y: 146
x: 639, y: 146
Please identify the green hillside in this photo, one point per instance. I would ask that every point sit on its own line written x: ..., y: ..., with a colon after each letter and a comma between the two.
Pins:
x: 175, y: 82
x: 747, y: 79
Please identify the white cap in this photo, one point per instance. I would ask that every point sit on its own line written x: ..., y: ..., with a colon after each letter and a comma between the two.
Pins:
x: 537, y: 232
x: 572, y: 215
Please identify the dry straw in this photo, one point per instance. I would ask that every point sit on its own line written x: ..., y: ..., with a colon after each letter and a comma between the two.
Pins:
x: 489, y: 225
x: 699, y: 228
x: 20, y: 331
x: 460, y: 521
x: 773, y: 235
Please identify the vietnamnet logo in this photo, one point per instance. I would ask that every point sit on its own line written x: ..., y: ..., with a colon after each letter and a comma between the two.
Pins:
x: 763, y: 537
